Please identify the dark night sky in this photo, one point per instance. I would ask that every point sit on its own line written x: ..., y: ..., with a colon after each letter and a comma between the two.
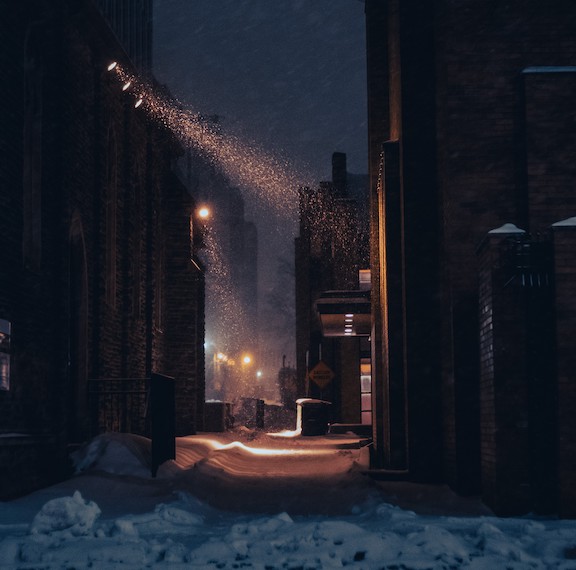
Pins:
x: 288, y: 74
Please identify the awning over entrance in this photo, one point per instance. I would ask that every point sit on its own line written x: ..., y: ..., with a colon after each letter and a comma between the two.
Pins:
x: 344, y: 313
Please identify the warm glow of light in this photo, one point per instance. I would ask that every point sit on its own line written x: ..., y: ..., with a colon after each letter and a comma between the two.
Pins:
x: 221, y: 356
x: 203, y: 212
x: 138, y: 103
x: 261, y: 450
x: 246, y: 359
x: 286, y: 433
x: 213, y: 445
x: 259, y: 373
x: 112, y: 65
x: 264, y: 175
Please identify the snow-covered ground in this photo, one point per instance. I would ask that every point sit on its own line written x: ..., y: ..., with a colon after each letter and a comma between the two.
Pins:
x: 248, y: 500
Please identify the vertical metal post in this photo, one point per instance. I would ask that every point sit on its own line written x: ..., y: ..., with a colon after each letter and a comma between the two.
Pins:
x: 163, y: 420
x: 260, y: 414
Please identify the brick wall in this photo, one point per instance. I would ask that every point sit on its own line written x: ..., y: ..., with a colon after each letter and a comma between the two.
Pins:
x: 565, y: 270
x: 517, y: 364
x: 550, y: 145
x: 503, y: 397
x: 484, y: 119
x: 97, y: 296
x: 497, y: 129
x: 184, y: 315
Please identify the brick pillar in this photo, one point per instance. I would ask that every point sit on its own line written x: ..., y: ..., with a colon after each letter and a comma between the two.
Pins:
x: 564, y: 236
x: 504, y: 437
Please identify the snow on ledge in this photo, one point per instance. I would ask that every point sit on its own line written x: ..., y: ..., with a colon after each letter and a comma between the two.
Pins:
x: 507, y: 229
x: 567, y: 223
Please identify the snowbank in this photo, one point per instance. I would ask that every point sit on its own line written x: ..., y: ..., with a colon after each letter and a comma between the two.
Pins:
x: 183, y: 531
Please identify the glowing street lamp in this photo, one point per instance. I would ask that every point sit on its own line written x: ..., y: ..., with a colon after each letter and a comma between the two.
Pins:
x: 246, y: 359
x: 204, y: 213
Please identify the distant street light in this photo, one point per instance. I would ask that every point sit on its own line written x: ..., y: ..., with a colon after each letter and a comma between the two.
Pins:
x: 204, y: 213
x: 246, y: 359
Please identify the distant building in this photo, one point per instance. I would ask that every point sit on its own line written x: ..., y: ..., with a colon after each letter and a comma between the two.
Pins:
x: 99, y: 281
x: 230, y: 247
x: 331, y: 249
x: 472, y: 133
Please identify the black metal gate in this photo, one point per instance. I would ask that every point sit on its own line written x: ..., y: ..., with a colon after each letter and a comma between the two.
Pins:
x: 141, y: 406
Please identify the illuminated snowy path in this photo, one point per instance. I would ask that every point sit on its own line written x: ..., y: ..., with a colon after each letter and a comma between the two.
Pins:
x: 267, y: 474
x: 114, y: 515
x: 244, y: 470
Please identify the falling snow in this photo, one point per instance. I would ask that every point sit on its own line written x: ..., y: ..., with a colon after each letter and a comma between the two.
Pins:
x: 273, y: 181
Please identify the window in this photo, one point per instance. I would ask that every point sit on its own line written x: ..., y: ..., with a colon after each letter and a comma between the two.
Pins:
x: 366, y: 390
x: 5, y: 331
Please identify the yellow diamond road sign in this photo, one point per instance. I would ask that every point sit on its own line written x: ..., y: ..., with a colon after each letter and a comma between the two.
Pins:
x: 321, y: 374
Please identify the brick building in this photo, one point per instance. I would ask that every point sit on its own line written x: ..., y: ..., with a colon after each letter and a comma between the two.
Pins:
x: 99, y: 286
x: 472, y: 127
x: 131, y: 23
x: 330, y: 251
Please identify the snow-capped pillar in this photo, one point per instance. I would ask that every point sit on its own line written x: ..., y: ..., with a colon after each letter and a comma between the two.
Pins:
x: 564, y: 237
x: 503, y: 402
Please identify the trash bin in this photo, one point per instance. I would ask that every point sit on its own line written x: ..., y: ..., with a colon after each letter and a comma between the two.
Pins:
x: 314, y: 416
x: 217, y: 416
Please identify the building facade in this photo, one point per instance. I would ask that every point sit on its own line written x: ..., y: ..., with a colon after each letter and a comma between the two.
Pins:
x: 471, y: 127
x: 330, y: 251
x: 99, y: 286
x: 131, y: 23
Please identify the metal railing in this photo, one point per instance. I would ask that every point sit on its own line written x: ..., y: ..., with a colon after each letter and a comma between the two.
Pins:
x: 526, y: 262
